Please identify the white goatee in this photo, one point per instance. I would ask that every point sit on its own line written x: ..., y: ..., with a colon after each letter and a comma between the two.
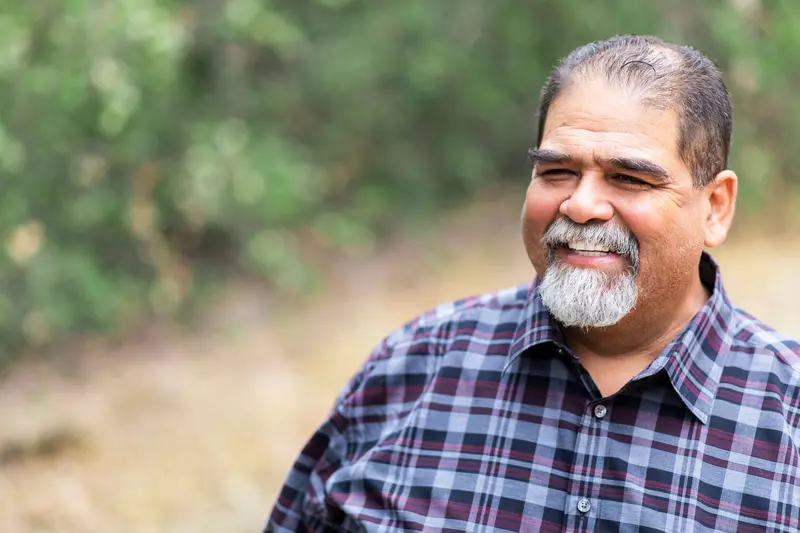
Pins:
x: 587, y: 297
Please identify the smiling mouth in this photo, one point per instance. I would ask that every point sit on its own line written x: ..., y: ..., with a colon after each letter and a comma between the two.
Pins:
x: 590, y: 254
x: 588, y: 250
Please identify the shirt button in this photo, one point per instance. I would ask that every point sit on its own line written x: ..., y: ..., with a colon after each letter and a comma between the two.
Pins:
x: 584, y: 505
x: 600, y: 411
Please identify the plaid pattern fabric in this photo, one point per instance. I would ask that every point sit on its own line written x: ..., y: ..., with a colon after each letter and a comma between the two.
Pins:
x: 476, y: 416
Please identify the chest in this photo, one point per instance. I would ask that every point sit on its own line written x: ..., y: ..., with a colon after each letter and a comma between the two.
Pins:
x: 534, y: 451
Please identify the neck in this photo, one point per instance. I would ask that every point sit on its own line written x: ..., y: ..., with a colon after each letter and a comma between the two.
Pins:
x: 613, y: 356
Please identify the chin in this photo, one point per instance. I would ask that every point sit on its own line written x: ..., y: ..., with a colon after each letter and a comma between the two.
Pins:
x: 587, y: 297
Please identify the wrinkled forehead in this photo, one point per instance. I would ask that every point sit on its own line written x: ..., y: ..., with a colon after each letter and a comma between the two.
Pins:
x: 595, y: 119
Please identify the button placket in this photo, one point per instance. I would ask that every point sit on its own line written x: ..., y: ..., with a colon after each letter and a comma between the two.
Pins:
x: 581, y: 488
x: 591, y: 430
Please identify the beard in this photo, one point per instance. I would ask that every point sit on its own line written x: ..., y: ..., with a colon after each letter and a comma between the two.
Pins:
x: 587, y: 297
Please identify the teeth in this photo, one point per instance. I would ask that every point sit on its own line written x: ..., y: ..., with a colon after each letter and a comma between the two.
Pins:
x: 590, y: 254
x: 582, y: 246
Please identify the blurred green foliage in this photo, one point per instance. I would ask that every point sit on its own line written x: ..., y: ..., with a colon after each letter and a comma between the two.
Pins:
x: 143, y: 140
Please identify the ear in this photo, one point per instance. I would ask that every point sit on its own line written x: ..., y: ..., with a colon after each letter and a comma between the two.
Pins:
x: 721, y: 197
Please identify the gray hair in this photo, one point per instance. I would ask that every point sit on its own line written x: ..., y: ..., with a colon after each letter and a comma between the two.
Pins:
x: 663, y: 76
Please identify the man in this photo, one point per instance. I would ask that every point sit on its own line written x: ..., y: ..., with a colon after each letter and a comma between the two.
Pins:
x: 621, y: 390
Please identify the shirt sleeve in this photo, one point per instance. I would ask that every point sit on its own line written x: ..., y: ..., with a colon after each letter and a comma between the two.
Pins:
x: 301, y: 504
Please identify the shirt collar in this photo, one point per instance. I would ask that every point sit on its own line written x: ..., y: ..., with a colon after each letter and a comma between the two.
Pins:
x: 693, y: 361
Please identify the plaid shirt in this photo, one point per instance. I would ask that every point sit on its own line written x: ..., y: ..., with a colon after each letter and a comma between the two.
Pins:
x: 477, y: 416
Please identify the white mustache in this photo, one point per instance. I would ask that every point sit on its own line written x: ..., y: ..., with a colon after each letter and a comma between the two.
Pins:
x: 609, y: 236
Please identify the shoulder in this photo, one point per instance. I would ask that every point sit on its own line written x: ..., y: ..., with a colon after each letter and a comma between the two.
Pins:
x: 489, y: 315
x: 408, y: 357
x: 764, y: 366
x: 753, y: 336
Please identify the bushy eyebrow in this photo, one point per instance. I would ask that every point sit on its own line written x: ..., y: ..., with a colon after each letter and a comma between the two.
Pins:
x: 548, y: 156
x: 628, y: 164
x: 640, y: 166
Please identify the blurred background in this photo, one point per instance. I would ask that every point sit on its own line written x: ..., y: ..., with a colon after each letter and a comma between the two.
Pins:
x: 211, y: 210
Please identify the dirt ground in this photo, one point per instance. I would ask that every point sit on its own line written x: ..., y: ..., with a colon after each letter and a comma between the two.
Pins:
x: 194, y: 431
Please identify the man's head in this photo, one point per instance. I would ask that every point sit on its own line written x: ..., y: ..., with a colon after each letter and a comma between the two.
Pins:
x: 630, y: 179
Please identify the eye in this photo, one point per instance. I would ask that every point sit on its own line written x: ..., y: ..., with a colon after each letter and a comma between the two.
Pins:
x: 625, y: 179
x: 557, y: 173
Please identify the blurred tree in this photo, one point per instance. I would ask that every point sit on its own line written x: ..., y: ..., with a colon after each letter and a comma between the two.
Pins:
x: 141, y: 140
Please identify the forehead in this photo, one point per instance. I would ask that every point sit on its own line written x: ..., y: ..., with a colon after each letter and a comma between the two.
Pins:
x: 594, y: 120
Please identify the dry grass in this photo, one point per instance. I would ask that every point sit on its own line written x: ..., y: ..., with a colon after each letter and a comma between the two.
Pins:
x: 195, y: 432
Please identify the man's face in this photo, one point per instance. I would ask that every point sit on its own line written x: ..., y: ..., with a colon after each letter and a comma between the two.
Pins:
x: 611, y: 219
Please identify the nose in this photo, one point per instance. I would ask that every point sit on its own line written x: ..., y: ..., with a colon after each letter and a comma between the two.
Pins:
x: 588, y: 202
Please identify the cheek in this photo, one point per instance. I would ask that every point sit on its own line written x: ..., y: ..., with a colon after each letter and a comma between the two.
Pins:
x: 540, y: 210
x: 541, y: 205
x: 648, y: 220
x: 662, y: 227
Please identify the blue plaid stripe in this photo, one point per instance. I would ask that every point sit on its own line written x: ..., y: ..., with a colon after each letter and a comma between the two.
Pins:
x: 477, y: 417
